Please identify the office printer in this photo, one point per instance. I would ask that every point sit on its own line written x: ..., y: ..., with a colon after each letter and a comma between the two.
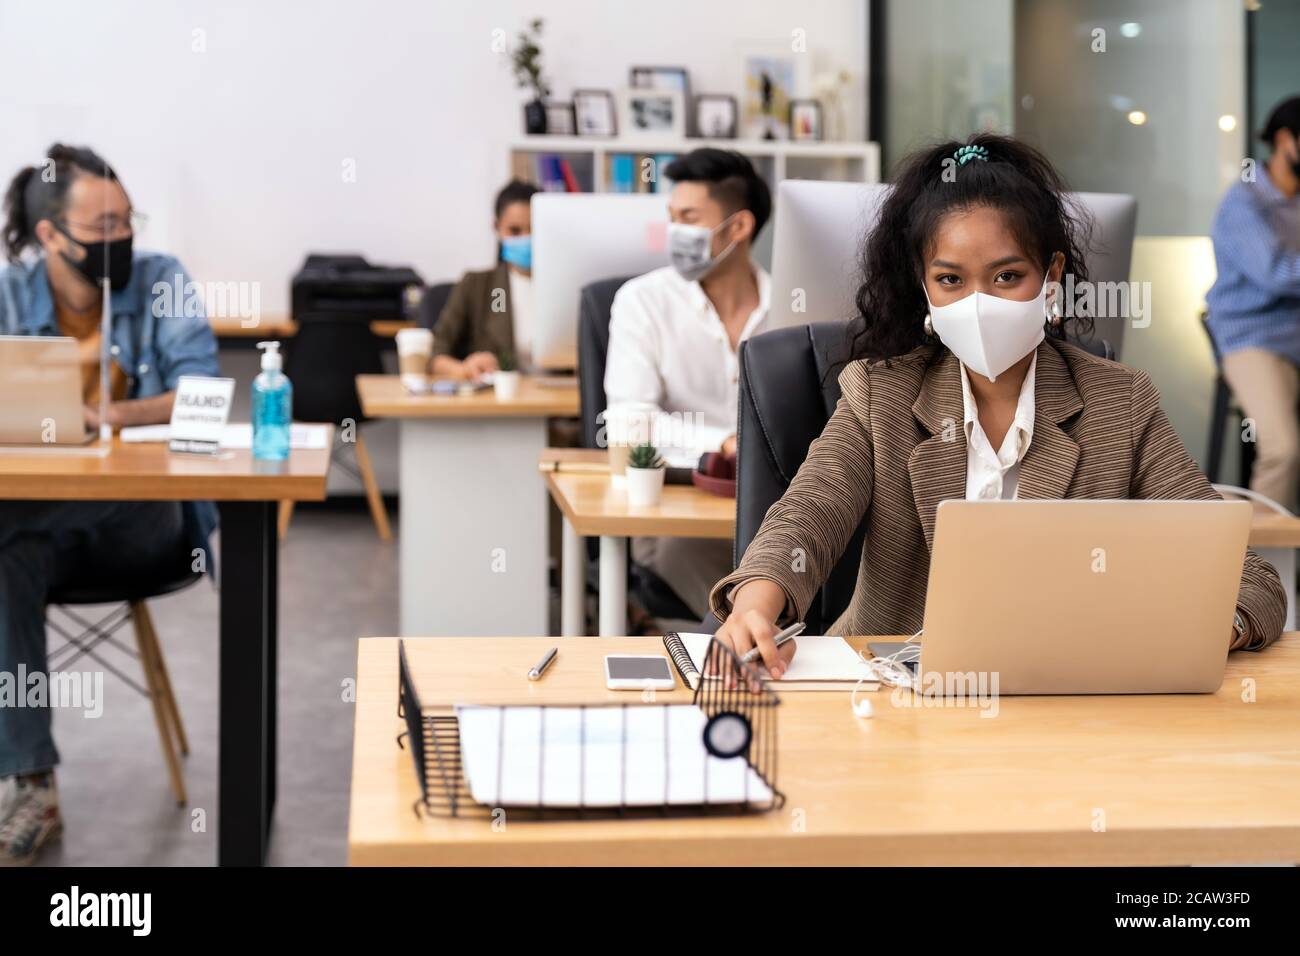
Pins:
x: 346, y: 284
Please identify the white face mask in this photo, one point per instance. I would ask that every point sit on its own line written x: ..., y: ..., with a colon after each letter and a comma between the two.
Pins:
x: 690, y: 249
x: 988, y: 333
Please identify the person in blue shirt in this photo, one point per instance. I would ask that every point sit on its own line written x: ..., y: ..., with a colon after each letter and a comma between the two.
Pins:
x: 69, y: 226
x: 1254, y: 305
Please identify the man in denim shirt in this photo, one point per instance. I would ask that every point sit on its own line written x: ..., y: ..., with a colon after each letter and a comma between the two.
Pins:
x: 1254, y: 304
x: 72, y: 212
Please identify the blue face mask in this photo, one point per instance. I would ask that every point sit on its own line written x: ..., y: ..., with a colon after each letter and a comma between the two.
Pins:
x: 518, y: 251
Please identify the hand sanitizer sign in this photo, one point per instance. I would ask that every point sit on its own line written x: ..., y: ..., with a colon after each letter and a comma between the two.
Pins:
x: 200, y: 413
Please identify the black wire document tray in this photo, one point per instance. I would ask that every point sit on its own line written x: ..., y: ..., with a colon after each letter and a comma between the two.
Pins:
x: 715, y: 755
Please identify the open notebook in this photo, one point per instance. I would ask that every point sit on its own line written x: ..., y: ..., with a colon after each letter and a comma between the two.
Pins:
x: 821, y: 663
x: 598, y: 757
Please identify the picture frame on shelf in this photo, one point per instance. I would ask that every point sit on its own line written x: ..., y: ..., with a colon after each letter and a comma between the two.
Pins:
x: 663, y: 78
x: 771, y: 76
x: 805, y: 121
x: 717, y: 116
x: 561, y: 119
x: 652, y: 114
x: 594, y: 113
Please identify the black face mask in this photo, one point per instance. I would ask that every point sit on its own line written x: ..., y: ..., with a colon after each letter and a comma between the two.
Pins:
x: 107, y: 259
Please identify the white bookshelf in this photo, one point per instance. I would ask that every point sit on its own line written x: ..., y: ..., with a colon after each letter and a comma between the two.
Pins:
x: 776, y: 160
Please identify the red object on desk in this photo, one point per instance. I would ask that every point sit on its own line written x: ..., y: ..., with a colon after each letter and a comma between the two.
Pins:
x: 716, y: 474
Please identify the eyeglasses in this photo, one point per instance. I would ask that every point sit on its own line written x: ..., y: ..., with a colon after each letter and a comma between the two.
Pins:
x: 114, y: 227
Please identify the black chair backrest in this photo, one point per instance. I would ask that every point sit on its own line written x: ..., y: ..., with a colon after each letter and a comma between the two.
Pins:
x: 594, y: 302
x: 323, y: 361
x: 432, y: 302
x: 787, y: 394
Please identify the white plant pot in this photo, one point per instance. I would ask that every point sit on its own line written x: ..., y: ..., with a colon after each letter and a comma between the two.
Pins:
x: 645, y: 487
x: 506, y: 386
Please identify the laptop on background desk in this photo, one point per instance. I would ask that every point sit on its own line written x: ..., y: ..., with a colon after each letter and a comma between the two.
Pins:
x: 40, y: 392
x: 1085, y: 597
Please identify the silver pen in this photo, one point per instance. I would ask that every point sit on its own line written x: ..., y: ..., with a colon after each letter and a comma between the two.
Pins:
x: 789, y: 634
x: 540, y: 667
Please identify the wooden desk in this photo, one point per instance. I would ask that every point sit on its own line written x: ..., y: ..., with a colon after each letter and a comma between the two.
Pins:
x: 473, y: 519
x: 1173, y: 780
x: 283, y: 327
x: 247, y: 493
x: 593, y: 507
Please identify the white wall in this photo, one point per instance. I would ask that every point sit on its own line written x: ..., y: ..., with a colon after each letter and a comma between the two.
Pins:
x: 237, y: 153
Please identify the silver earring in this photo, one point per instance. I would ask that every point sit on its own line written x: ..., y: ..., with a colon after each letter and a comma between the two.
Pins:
x: 1054, y: 314
x: 929, y: 326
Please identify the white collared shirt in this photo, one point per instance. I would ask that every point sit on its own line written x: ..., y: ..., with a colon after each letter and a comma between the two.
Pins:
x: 991, y: 475
x: 669, y: 348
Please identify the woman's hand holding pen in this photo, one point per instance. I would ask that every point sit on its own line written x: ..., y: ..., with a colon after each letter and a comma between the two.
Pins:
x: 756, y: 605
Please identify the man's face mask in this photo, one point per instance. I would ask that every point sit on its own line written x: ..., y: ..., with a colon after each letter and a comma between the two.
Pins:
x: 690, y: 249
x: 107, y: 259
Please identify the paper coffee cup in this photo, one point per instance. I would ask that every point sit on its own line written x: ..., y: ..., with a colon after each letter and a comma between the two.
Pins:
x: 414, y: 351
x: 625, y: 426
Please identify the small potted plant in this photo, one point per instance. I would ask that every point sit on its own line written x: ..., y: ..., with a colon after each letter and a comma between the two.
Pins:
x: 645, y: 476
x: 526, y: 61
x: 505, y: 382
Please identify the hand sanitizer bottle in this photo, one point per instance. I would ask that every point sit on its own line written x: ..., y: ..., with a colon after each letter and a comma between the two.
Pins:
x: 272, y: 406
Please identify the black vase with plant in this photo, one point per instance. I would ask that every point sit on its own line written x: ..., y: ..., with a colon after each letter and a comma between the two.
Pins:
x: 526, y: 60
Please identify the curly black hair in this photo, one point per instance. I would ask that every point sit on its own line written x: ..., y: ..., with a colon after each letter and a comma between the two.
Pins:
x: 1016, y: 179
x: 41, y: 192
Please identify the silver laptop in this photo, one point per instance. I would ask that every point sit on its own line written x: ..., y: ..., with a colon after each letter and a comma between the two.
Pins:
x: 40, y: 391
x: 1083, y: 597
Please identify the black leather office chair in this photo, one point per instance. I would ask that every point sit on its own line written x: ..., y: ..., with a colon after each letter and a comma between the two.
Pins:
x: 432, y: 302
x: 788, y: 392
x: 128, y: 594
x: 787, y: 395
x: 594, y: 303
x: 323, y: 361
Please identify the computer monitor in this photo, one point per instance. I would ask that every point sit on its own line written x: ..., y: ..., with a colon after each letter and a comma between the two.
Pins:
x: 579, y: 238
x: 1114, y: 223
x: 820, y: 229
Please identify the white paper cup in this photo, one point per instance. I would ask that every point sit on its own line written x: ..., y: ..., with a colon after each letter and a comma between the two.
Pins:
x: 414, y: 351
x: 506, y: 385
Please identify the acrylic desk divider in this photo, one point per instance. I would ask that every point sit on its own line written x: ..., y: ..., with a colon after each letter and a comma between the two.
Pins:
x: 716, y: 755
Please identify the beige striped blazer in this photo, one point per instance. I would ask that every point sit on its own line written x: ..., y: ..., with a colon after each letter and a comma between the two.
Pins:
x: 1099, y: 432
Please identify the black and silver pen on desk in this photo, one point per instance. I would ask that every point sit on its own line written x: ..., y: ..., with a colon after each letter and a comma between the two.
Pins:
x: 540, y: 667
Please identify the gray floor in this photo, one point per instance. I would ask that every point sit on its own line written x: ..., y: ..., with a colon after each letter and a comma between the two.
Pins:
x: 337, y: 582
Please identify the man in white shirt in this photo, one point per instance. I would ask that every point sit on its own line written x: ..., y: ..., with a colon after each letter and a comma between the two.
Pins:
x: 674, y: 335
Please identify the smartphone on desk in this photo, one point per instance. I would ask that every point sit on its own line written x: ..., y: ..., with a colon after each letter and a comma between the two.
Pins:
x: 637, y: 672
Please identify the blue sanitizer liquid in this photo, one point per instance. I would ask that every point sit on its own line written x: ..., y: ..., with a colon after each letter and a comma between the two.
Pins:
x: 272, y: 415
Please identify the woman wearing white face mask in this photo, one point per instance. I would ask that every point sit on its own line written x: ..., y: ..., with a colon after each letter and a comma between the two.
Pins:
x: 963, y: 386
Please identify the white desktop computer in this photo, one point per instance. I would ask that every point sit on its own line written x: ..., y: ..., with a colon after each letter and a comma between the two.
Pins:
x: 579, y: 238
